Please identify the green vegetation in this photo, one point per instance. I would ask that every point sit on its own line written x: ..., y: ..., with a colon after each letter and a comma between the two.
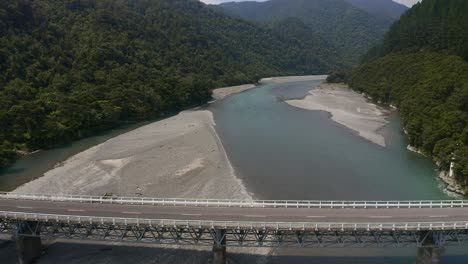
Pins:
x: 420, y: 68
x: 382, y: 8
x: 435, y: 25
x: 348, y: 29
x: 69, y: 68
x: 337, y: 77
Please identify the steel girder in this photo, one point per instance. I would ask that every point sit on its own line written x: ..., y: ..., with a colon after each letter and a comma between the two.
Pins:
x: 249, y: 237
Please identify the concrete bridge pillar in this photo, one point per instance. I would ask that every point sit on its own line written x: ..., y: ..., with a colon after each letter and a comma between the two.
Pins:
x: 429, y: 252
x: 219, y: 246
x: 429, y: 255
x: 28, y: 243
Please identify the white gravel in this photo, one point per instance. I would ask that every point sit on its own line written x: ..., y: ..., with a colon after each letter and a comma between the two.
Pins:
x: 295, y: 78
x: 348, y: 108
x: 181, y: 156
x: 222, y: 93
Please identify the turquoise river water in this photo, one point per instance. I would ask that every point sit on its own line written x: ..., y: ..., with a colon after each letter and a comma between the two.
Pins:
x: 283, y: 152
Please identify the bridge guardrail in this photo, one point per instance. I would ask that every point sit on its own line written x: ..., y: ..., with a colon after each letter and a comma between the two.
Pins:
x: 239, y: 225
x: 238, y: 203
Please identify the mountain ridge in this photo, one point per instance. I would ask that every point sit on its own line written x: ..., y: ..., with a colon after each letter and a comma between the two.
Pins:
x: 387, y: 8
x: 351, y: 30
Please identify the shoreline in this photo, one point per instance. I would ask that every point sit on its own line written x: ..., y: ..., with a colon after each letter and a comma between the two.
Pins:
x: 221, y: 93
x: 203, y: 168
x: 285, y: 79
x: 347, y: 108
x: 110, y: 164
x: 185, y: 146
x: 186, y: 150
x: 415, y: 150
x: 453, y: 185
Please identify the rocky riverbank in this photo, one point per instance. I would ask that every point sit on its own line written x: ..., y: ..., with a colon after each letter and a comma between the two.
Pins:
x: 452, y: 184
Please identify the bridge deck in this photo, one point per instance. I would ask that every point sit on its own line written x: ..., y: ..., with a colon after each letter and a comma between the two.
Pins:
x: 303, y: 215
x: 237, y: 223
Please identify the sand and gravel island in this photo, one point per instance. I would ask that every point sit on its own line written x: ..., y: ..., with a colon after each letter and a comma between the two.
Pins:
x: 348, y: 108
x: 181, y: 156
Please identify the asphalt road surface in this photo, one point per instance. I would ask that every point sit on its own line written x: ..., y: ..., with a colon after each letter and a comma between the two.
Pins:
x: 238, y: 214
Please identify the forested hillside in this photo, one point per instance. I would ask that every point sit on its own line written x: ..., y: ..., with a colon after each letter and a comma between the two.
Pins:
x: 69, y: 68
x: 431, y: 25
x: 350, y: 30
x: 421, y: 68
x: 387, y: 9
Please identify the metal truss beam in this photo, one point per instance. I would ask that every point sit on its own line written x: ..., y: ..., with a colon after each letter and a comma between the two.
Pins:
x: 245, y: 237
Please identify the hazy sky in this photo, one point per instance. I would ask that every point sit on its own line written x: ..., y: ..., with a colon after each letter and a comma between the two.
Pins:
x: 406, y: 2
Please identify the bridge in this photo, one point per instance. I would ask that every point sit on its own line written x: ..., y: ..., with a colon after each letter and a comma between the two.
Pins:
x: 426, y: 225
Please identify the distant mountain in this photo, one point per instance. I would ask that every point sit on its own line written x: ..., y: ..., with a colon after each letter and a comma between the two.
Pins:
x: 381, y: 8
x: 317, y: 47
x: 422, y: 68
x: 349, y: 29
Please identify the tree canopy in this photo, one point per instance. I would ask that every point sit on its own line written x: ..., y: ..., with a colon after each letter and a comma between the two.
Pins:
x: 346, y: 26
x: 421, y: 68
x: 69, y: 68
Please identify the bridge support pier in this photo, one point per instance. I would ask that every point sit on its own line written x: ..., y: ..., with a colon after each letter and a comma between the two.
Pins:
x: 28, y: 243
x: 429, y: 255
x: 219, y: 246
x: 429, y: 252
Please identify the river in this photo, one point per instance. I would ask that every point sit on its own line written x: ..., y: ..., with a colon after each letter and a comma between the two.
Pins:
x: 283, y: 152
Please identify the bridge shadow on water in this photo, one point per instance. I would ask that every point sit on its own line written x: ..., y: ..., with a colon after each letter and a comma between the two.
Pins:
x: 84, y: 252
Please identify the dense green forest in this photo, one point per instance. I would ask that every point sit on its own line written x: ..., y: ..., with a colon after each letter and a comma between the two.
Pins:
x: 431, y: 25
x: 69, y: 68
x: 385, y: 9
x: 421, y: 68
x: 344, y: 25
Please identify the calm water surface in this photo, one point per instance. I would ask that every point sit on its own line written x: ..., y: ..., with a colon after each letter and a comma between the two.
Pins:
x: 283, y: 152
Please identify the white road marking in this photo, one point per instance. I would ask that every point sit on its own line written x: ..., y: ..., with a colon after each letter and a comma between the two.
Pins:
x: 257, y: 216
x: 24, y: 207
x: 131, y: 213
x: 316, y: 216
x: 75, y: 210
x: 438, y: 216
x: 381, y: 216
x: 191, y: 214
